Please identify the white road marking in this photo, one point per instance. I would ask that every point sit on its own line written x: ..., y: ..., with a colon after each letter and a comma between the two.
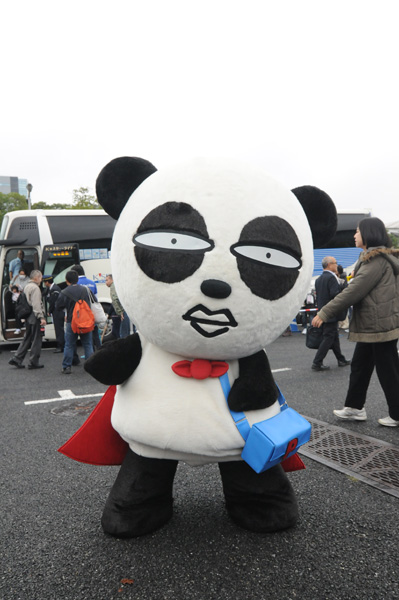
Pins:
x: 279, y: 370
x: 64, y: 395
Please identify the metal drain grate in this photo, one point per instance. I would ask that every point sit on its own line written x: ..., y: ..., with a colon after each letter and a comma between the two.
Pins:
x: 372, y: 461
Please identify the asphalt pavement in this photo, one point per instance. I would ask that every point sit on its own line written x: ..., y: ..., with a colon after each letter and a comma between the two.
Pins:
x: 52, y: 547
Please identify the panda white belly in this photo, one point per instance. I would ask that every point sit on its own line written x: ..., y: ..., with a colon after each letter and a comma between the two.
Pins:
x: 162, y: 415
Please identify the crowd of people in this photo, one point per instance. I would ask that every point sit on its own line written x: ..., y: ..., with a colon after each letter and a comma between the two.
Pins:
x: 60, y: 304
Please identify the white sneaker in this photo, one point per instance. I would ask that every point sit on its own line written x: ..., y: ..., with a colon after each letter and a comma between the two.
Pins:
x: 388, y: 422
x: 353, y: 414
x: 17, y: 331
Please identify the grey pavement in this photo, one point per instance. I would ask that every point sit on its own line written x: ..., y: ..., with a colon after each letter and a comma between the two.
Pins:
x: 52, y: 547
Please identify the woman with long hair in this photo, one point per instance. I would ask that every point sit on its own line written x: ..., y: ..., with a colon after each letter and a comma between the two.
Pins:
x: 374, y: 326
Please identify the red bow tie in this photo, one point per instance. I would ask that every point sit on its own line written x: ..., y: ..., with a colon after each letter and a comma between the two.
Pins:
x: 200, y: 369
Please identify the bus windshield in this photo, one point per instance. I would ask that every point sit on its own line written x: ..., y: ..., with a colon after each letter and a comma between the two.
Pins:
x: 57, y: 259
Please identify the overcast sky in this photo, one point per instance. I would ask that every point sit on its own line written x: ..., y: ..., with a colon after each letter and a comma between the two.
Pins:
x: 306, y: 89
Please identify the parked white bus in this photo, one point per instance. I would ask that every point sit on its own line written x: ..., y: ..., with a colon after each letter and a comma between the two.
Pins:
x: 53, y: 241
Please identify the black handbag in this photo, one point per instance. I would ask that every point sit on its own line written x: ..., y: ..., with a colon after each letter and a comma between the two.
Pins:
x: 313, y: 337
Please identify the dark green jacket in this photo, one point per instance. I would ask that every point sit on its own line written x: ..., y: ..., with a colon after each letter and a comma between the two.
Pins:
x: 374, y: 295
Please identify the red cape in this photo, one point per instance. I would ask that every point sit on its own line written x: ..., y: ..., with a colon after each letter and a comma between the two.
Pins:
x: 97, y: 442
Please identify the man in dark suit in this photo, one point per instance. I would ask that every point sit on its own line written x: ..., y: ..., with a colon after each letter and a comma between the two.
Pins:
x: 327, y: 287
x: 51, y: 293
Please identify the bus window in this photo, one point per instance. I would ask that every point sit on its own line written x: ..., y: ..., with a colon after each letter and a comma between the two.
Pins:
x: 84, y: 229
x: 4, y: 226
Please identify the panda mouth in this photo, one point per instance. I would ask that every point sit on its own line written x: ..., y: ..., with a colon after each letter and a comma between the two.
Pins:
x: 210, y: 323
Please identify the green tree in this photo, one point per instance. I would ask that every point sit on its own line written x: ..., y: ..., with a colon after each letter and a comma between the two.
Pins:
x: 394, y: 240
x: 42, y: 205
x: 10, y: 202
x: 83, y: 199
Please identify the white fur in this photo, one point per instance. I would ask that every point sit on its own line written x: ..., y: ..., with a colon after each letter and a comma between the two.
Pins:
x: 162, y: 415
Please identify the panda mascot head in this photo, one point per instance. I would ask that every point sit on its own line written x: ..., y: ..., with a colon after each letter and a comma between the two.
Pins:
x: 213, y: 258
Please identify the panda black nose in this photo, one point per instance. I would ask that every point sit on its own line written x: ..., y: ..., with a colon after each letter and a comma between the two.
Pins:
x: 215, y: 288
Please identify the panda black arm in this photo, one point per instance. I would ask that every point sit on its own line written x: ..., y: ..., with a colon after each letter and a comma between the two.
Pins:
x: 115, y: 361
x: 255, y: 387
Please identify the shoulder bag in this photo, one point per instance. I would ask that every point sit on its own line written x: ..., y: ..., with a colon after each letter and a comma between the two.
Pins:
x: 97, y: 309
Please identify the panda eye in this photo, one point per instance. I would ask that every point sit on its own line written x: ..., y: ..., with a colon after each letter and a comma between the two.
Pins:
x: 173, y: 241
x: 267, y: 255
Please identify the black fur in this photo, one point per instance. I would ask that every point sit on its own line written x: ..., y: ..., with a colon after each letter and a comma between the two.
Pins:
x: 255, y: 387
x: 171, y: 266
x: 118, y: 180
x: 115, y: 361
x: 266, y: 281
x: 141, y: 498
x: 320, y: 211
x: 260, y: 502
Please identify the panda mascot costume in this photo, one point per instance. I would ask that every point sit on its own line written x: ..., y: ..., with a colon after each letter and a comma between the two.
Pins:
x: 211, y: 260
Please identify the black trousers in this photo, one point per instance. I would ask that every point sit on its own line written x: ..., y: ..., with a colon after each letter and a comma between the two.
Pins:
x: 59, y: 323
x: 330, y: 341
x: 384, y: 357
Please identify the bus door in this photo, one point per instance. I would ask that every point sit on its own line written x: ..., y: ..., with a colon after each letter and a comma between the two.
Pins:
x: 16, y: 264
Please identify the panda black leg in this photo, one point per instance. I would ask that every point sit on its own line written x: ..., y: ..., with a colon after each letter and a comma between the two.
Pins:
x: 141, y: 499
x: 261, y: 502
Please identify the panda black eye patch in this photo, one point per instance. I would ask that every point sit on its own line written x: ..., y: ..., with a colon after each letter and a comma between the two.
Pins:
x: 170, y: 242
x: 268, y: 257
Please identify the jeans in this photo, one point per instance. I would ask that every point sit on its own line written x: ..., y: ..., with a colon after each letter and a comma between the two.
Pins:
x: 125, y: 326
x: 70, y: 345
x: 96, y: 338
x: 116, y: 325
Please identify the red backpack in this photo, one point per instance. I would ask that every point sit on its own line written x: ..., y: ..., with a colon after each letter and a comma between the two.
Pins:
x: 82, y: 317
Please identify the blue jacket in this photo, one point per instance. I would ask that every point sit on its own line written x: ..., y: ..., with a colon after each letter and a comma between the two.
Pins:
x: 83, y: 280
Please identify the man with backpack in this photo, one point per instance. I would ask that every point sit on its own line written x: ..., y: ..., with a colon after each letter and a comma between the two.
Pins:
x: 79, y: 319
x: 89, y: 283
x: 33, y: 322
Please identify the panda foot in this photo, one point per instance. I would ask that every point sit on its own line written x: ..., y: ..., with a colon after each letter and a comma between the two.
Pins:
x: 260, y: 502
x: 141, y: 498
x: 133, y: 521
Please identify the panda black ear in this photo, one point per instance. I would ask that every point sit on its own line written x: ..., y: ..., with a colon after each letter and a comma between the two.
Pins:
x: 118, y: 180
x: 320, y: 211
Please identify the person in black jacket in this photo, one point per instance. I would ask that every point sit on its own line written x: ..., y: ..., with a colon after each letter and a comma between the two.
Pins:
x: 67, y: 300
x: 327, y: 287
x: 51, y: 293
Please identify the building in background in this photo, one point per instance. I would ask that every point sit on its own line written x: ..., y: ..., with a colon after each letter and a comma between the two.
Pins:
x: 10, y: 185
